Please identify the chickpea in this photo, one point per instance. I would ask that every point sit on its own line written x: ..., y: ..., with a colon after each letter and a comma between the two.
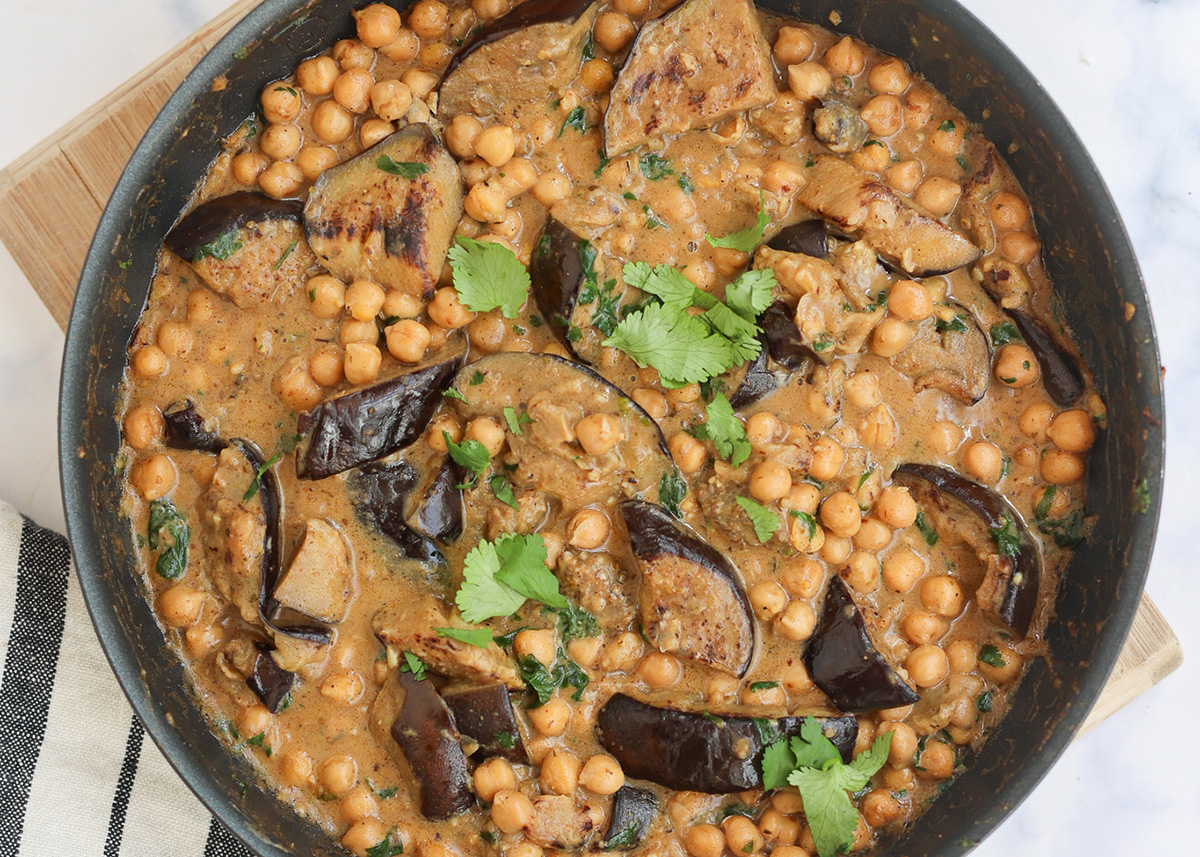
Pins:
x: 407, y: 340
x: 488, y: 432
x: 378, y: 24
x: 599, y: 433
x: 280, y: 102
x: 783, y: 177
x: 246, y: 167
x: 945, y: 436
x: 254, y: 720
x: 890, y: 77
x: 808, y: 81
x: 873, y: 536
x: 602, y: 775
x: 927, y: 666
x: 613, y: 31
x: 1008, y: 211
x: 496, y: 144
x: 846, y: 57
x: 632, y: 8
x: 180, y: 605
x: 803, y: 497
x: 343, y: 688
x: 861, y: 572
x: 883, y: 115
x: 338, y: 774
x: 325, y: 366
x: 901, y: 569
x: 588, y: 529
x: 511, y: 810
x: 295, y: 768
x: 488, y: 9
x: 144, y: 426
x: 517, y: 177
x: 400, y: 304
x: 485, y: 203
x: 461, y: 134
x: 281, y: 142
x: 420, y: 82
x: 805, y: 536
x: 836, y: 549
x: 904, y: 177
x: 961, y: 655
x: 316, y: 76
x: 841, y: 515
x: 357, y: 804
x: 332, y: 122
x: 352, y: 89
x: 741, y: 835
x: 296, y: 387
x: 898, y: 779
x: 551, y: 187
x: 943, y: 595
x: 1060, y: 467
x: 651, y: 401
x: 442, y: 425
x: 560, y: 773
x: 362, y: 362
x: 445, y: 310
x: 154, y: 477
x: 937, y: 195
x: 1071, y: 431
x: 904, y: 742
x: 583, y: 650
x: 686, y: 395
x: 796, y: 622
x: 767, y: 598
x: 552, y: 718
x: 1036, y: 419
x: 896, y: 507
x: 315, y: 160
x: 364, y: 299
x: 326, y: 296
x: 374, y: 131
x: 704, y: 840
x: 280, y: 180
x: 947, y: 139
x: 922, y: 628
x: 802, y: 577
x: 363, y: 835
x: 879, y: 808
x: 539, y: 643
x: 429, y: 19
x: 778, y: 828
x: 1020, y: 248
x: 763, y: 428
x: 1003, y: 668
x: 403, y: 48
x: 984, y: 461
x: 623, y: 654
x: 770, y: 481
x: 792, y: 45
x: 937, y: 760
x: 1016, y: 366
x: 351, y: 53
x: 596, y: 75
x: 918, y: 108
x: 890, y: 337
x: 689, y: 454
x: 659, y: 670
x: 828, y: 458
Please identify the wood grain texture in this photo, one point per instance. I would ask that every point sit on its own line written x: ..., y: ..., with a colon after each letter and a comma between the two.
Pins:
x: 51, y: 199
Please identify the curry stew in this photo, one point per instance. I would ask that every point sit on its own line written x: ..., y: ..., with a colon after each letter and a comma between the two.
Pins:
x: 625, y: 426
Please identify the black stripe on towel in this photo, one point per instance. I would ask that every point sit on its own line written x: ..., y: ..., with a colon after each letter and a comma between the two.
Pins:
x: 222, y: 843
x: 28, y: 681
x: 120, y: 803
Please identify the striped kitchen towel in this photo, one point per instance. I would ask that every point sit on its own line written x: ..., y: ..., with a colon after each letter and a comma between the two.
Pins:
x: 77, y: 776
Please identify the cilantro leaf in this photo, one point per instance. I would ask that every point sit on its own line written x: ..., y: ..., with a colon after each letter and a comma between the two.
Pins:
x: 1004, y: 332
x: 173, y: 560
x: 744, y: 239
x: 221, y: 247
x: 488, y: 276
x: 765, y: 522
x: 453, y: 393
x: 810, y: 523
x: 413, y: 664
x: 404, y: 169
x: 1006, y: 537
x: 654, y: 166
x: 523, y: 570
x: 672, y: 488
x: 389, y: 846
x: 258, y: 474
x: 927, y: 530
x: 576, y: 119
x: 515, y: 420
x: 751, y: 293
x: 479, y: 637
x: 499, y: 576
x: 681, y: 347
x: 991, y: 656
x: 724, y: 428
x: 470, y: 454
x: 777, y: 762
x: 811, y: 748
x: 575, y: 622
x: 545, y: 681
x: 668, y: 284
x: 503, y: 491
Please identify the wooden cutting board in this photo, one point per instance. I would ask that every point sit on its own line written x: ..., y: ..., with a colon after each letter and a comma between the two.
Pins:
x: 51, y: 199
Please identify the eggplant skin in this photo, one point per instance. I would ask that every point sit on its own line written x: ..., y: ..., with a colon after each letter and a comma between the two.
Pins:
x: 527, y: 14
x: 186, y: 428
x: 379, y: 496
x: 633, y: 811
x: 700, y: 752
x: 844, y: 662
x: 439, y: 514
x: 695, y: 607
x: 1060, y: 373
x: 483, y: 714
x: 758, y: 382
x: 210, y: 220
x: 368, y: 424
x: 784, y: 342
x: 809, y: 237
x: 424, y: 729
x: 269, y: 681
x: 1010, y: 590
x: 556, y: 276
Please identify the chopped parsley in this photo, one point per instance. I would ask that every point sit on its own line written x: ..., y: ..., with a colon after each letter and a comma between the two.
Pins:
x: 672, y: 488
x: 810, y: 523
x: 991, y: 656
x: 413, y: 664
x: 576, y: 119
x: 256, y: 482
x: 478, y: 637
x: 604, y: 317
x: 503, y: 491
x: 947, y: 126
x: 1006, y: 537
x: 283, y: 257
x: 765, y: 522
x: 389, y: 846
x: 625, y: 839
x: 655, y: 167
x: 515, y: 420
x: 221, y: 247
x: 1004, y: 332
x: 546, y: 681
x: 984, y: 702
x: 507, y: 740
x: 452, y: 393
x: 763, y: 685
x: 404, y: 169
x: 1141, y: 497
x: 685, y: 184
x: 488, y: 276
x: 927, y: 530
x: 744, y: 239
x: 956, y: 324
x: 575, y: 623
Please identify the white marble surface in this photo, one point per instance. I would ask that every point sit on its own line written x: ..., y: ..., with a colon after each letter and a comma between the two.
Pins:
x: 1124, y: 73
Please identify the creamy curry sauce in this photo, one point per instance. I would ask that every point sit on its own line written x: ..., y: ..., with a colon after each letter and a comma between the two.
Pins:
x: 239, y: 342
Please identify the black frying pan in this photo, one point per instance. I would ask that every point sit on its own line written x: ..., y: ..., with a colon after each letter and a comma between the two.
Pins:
x: 1087, y: 253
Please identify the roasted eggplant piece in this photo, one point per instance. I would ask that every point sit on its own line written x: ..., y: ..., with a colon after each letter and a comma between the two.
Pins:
x: 701, y: 752
x: 691, y: 599
x: 691, y: 68
x: 439, y: 511
x: 948, y: 354
x: 554, y: 394
x: 556, y: 274
x: 389, y: 214
x: 809, y: 237
x: 633, y: 810
x: 269, y: 681
x: 758, y: 382
x: 381, y: 492
x: 187, y: 429
x: 786, y: 346
x: 373, y: 422
x: 840, y: 126
x: 319, y: 581
x: 1010, y: 587
x: 245, y: 246
x: 844, y: 661
x: 543, y: 40
x: 562, y: 823
x: 1060, y: 372
x: 425, y: 732
x: 485, y: 716
x: 863, y: 206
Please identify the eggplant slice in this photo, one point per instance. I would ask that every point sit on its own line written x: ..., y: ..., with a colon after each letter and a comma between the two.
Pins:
x: 389, y: 214
x: 373, y: 422
x: 245, y: 246
x: 994, y: 529
x: 484, y: 714
x: 269, y: 681
x: 425, y: 732
x: 187, y: 428
x: 701, y: 752
x: 699, y: 63
x: 380, y: 493
x: 809, y: 237
x: 543, y: 39
x: 864, y: 207
x: 692, y: 601
x: 844, y: 661
x: 952, y: 355
x: 633, y: 811
x: 1060, y: 371
x: 557, y: 273
x: 554, y: 394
